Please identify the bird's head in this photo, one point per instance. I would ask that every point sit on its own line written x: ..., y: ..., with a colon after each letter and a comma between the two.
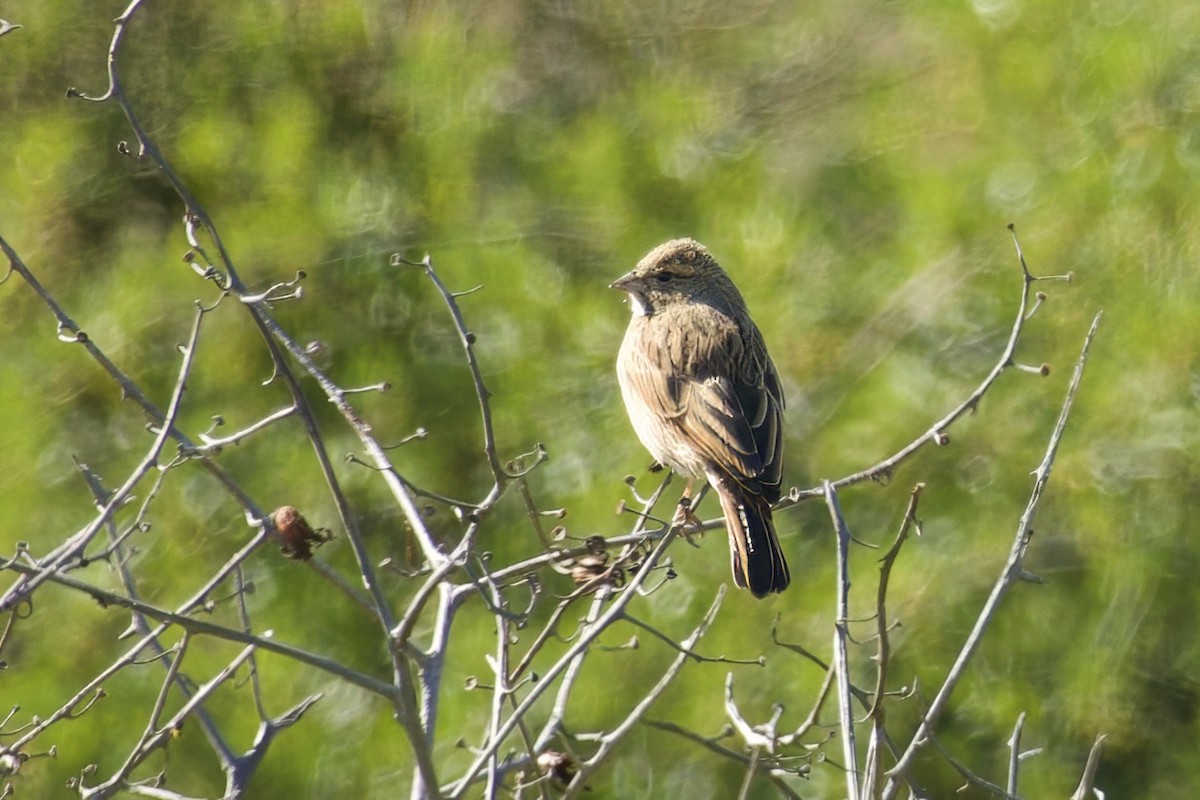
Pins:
x: 678, y: 271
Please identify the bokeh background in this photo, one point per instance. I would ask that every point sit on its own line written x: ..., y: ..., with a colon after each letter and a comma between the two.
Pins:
x: 852, y: 164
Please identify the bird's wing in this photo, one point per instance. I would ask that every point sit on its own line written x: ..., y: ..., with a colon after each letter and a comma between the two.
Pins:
x: 731, y: 407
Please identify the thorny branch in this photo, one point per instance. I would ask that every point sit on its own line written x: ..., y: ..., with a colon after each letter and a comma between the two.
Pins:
x: 1009, y: 576
x: 937, y: 432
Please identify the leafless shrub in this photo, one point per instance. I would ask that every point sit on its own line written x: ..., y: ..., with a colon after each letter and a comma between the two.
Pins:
x: 526, y: 747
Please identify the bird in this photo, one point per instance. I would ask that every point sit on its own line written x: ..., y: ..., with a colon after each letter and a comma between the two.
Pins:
x: 704, y: 397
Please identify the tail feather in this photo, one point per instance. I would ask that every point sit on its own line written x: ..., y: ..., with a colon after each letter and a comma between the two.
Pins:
x: 754, y: 552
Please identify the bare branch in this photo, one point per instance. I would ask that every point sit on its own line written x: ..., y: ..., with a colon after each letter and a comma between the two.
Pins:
x: 581, y: 644
x: 467, y: 339
x: 73, y: 546
x: 936, y: 433
x: 1088, y: 779
x: 841, y: 634
x: 202, y: 627
x: 1014, y: 754
x: 610, y: 740
x: 1009, y: 576
x: 878, y: 713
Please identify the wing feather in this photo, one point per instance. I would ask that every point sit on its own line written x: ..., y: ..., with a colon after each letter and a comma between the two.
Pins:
x: 730, y: 405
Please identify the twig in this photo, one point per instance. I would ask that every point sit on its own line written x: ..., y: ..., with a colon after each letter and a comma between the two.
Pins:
x: 129, y: 389
x: 73, y: 546
x: 574, y: 664
x: 581, y: 644
x: 610, y: 740
x: 878, y: 712
x: 841, y: 633
x: 1088, y: 779
x: 1009, y: 576
x: 936, y: 433
x: 969, y: 776
x: 500, y: 692
x: 1014, y: 754
x: 762, y: 737
x: 162, y: 735
x: 467, y: 339
x: 681, y: 647
x: 211, y: 444
x: 724, y: 752
x: 203, y: 627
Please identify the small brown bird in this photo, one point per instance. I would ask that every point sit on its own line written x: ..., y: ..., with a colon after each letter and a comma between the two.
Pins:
x: 704, y: 397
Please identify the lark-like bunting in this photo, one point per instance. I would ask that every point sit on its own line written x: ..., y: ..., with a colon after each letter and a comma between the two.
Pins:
x: 704, y: 397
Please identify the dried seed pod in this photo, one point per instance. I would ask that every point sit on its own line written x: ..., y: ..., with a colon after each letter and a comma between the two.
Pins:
x: 559, y: 766
x: 296, y: 536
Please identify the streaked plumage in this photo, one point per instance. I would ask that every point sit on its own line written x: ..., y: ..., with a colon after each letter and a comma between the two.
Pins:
x: 704, y: 397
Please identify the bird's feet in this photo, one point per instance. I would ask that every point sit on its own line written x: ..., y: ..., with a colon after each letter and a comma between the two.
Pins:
x: 685, y: 519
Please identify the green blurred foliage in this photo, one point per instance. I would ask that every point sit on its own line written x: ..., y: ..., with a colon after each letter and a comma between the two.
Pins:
x: 852, y: 164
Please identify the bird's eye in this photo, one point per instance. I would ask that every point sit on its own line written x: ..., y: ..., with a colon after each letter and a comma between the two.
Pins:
x: 664, y: 277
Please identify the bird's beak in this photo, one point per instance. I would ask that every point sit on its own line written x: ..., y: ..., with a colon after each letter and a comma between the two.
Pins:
x: 622, y: 283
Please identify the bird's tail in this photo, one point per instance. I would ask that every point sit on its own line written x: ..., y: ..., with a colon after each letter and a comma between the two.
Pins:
x: 754, y: 551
